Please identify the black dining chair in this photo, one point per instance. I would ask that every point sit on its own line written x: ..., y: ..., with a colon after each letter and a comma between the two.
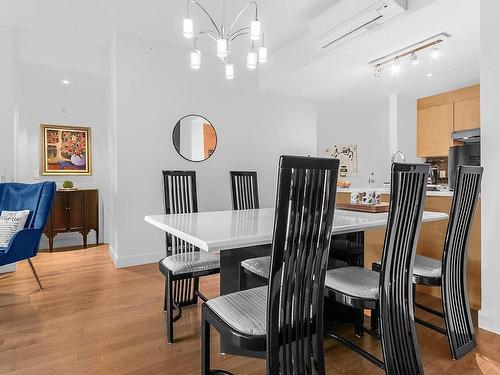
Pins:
x: 285, y: 318
x: 184, y: 263
x: 245, y: 196
x: 244, y: 190
x: 391, y: 291
x: 450, y: 273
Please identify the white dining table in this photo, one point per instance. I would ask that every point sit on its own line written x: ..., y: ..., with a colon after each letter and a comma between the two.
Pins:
x: 244, y: 234
x: 224, y: 230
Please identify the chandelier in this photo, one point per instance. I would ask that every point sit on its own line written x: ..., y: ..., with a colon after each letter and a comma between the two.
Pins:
x: 224, y: 36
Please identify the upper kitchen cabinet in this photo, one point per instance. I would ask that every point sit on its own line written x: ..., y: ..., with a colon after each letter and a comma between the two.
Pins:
x: 440, y: 115
x: 434, y: 128
x: 466, y: 114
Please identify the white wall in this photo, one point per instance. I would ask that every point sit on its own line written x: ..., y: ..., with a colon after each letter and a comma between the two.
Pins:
x: 7, y: 104
x: 40, y: 49
x: 154, y: 88
x: 7, y: 112
x: 368, y: 128
x: 403, y: 126
x: 489, y: 316
x: 41, y: 102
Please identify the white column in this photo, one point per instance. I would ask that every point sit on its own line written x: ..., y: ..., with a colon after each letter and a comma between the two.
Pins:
x: 489, y: 316
x: 7, y: 112
x: 403, y: 126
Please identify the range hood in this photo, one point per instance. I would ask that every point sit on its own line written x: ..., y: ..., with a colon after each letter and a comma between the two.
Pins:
x: 467, y: 136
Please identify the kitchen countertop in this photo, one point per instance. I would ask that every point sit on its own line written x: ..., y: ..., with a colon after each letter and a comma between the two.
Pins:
x: 385, y: 190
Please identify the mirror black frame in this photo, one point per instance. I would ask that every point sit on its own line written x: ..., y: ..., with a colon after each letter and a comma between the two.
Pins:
x: 176, y: 137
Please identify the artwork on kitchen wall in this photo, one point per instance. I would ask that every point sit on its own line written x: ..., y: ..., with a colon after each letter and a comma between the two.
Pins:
x: 65, y: 150
x: 348, y: 156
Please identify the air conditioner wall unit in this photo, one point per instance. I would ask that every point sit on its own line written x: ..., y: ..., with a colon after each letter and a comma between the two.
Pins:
x: 350, y: 18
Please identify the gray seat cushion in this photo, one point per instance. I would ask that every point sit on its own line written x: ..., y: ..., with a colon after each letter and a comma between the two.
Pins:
x: 425, y: 267
x: 190, y: 262
x: 243, y: 311
x: 259, y: 266
x: 354, y: 282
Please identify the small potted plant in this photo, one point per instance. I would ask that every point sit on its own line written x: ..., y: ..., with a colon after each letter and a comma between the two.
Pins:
x: 68, y: 184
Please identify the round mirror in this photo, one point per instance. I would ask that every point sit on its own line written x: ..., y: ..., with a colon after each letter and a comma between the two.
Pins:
x: 194, y: 138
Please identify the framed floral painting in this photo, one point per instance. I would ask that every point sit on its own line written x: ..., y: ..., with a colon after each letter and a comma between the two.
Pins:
x: 65, y: 150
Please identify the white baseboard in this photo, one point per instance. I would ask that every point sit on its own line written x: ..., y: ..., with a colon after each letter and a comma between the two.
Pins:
x: 489, y: 322
x: 135, y: 260
x: 8, y: 268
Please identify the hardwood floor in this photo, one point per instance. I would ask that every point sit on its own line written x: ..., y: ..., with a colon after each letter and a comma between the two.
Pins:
x: 94, y: 319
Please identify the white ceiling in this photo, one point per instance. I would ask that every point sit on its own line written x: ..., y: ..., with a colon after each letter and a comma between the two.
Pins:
x: 93, y: 21
x: 343, y: 75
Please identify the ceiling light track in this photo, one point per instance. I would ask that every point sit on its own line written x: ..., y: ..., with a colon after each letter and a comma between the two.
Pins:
x: 414, y: 48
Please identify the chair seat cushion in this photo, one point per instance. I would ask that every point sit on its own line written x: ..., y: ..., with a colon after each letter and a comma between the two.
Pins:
x: 259, y: 266
x: 353, y: 281
x: 191, y: 262
x: 425, y: 267
x: 243, y: 311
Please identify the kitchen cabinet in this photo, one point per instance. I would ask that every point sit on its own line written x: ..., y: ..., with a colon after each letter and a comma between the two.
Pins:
x: 434, y: 128
x: 73, y: 211
x: 466, y: 114
x: 440, y: 115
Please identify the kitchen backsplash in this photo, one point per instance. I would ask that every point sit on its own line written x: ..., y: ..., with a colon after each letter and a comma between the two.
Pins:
x: 442, y: 166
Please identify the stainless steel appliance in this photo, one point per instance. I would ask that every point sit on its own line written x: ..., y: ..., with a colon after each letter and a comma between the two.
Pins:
x: 433, y: 175
x: 466, y: 154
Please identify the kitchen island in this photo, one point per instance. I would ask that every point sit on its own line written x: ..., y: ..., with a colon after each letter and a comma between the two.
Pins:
x: 431, y: 241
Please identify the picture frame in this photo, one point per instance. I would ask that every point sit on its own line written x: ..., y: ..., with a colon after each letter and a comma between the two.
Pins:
x: 348, y: 156
x: 65, y: 150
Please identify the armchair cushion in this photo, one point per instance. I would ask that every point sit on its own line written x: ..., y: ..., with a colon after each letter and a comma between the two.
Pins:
x: 11, y: 222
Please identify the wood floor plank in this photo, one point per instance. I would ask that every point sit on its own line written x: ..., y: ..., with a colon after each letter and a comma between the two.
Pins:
x: 95, y: 319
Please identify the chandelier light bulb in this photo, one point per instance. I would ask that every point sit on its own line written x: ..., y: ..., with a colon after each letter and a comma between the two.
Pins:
x: 395, y: 67
x: 224, y: 35
x: 435, y: 52
x: 187, y: 28
x: 222, y: 48
x: 414, y: 59
x: 195, y: 60
x: 255, y: 30
x: 252, y: 60
x: 229, y: 71
x: 262, y: 54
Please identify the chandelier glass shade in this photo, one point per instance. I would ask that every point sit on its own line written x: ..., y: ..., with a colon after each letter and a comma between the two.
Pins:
x: 224, y: 35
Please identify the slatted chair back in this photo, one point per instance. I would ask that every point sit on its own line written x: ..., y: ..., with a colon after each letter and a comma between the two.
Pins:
x: 397, y: 327
x: 454, y: 269
x: 179, y: 188
x: 244, y: 190
x: 302, y: 230
x: 179, y: 192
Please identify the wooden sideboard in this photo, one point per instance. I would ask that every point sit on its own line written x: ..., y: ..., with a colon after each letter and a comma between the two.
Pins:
x: 74, y: 211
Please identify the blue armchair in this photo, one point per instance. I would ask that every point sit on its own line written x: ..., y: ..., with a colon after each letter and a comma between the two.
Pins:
x: 38, y: 199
